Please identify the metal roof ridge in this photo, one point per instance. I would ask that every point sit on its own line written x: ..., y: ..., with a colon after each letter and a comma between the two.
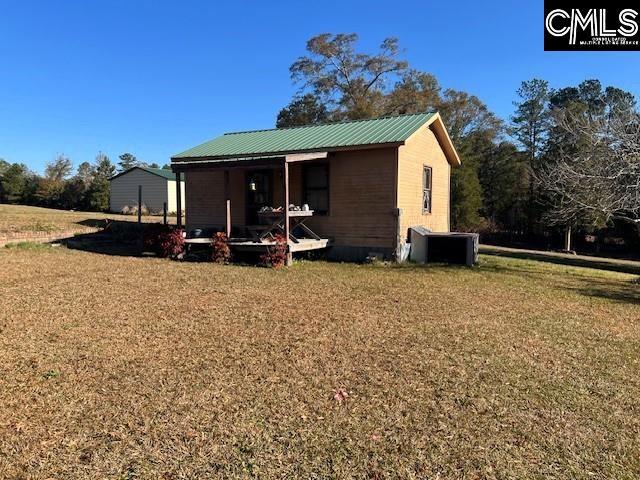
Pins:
x: 341, y: 122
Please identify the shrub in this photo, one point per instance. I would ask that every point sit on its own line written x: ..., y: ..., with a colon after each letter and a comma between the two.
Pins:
x: 164, y: 240
x: 170, y: 243
x: 276, y: 255
x: 221, y: 253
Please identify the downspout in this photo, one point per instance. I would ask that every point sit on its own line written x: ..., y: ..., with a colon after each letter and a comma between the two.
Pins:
x: 397, y: 211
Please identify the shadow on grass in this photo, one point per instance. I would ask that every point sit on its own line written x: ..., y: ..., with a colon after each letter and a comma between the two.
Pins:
x: 95, y: 222
x: 118, y: 238
x: 568, y: 260
x: 628, y: 292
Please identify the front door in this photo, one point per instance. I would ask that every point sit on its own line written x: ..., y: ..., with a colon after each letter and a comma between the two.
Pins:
x: 259, y: 186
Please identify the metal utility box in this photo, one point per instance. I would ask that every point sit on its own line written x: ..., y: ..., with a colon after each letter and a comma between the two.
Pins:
x: 455, y: 248
x: 418, y: 240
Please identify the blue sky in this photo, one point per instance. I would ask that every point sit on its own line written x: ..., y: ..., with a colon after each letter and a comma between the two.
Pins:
x: 154, y: 77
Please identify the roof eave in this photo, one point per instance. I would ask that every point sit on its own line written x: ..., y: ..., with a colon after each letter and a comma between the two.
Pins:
x: 445, y: 141
x: 176, y: 160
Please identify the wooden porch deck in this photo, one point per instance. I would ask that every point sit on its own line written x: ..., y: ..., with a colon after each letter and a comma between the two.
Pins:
x: 302, y: 245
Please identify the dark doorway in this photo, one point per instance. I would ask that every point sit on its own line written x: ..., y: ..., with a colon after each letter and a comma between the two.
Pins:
x: 259, y: 185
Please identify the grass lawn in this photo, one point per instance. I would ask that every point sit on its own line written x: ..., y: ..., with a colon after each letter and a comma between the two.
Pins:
x: 123, y: 368
x: 23, y: 218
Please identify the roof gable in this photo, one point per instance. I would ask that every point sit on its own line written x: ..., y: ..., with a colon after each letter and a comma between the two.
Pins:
x: 161, y: 172
x: 436, y: 125
x: 386, y: 130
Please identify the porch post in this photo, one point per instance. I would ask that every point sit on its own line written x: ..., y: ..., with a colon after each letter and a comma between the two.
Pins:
x: 285, y: 176
x: 178, y: 199
x: 227, y: 230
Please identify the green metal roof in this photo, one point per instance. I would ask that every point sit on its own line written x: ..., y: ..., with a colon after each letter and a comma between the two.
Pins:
x: 162, y: 172
x: 309, y: 138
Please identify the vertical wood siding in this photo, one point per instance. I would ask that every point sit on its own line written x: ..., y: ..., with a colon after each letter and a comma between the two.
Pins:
x: 422, y: 149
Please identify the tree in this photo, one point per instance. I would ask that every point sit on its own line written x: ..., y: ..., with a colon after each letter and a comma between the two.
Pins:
x: 503, y: 175
x: 13, y: 182
x: 166, y: 166
x: 351, y: 85
x: 415, y: 92
x: 74, y: 193
x: 596, y: 179
x: 153, y: 165
x: 530, y: 123
x: 530, y: 128
x: 127, y: 161
x: 98, y: 192
x: 467, y: 115
x: 572, y: 109
x: 304, y: 110
x: 51, y: 187
x: 466, y: 197
x: 473, y: 129
x: 4, y: 166
x: 72, y: 196
x: 85, y: 173
x: 59, y: 169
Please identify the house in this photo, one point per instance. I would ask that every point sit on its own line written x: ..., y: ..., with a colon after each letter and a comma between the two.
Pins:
x: 366, y: 182
x: 158, y: 187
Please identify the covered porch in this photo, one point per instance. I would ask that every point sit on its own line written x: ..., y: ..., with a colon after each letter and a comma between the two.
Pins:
x: 250, y: 199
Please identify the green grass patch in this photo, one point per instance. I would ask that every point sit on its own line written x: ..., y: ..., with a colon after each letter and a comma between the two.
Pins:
x: 27, y: 246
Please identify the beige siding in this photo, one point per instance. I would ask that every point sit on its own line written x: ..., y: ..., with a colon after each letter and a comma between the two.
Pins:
x: 361, y: 198
x: 123, y: 190
x: 422, y: 149
x: 172, y: 204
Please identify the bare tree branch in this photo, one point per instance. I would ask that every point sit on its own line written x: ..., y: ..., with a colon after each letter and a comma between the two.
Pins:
x: 595, y: 175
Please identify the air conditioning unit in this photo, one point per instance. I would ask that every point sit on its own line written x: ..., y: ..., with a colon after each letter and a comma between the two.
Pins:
x: 452, y: 247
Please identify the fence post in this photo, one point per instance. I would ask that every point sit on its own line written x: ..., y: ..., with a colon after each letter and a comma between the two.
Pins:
x: 139, y: 204
x: 164, y: 213
x: 140, y: 233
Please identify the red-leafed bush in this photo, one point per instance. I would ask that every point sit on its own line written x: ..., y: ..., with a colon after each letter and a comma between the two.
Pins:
x: 170, y: 243
x: 221, y: 253
x: 164, y: 240
x: 276, y: 255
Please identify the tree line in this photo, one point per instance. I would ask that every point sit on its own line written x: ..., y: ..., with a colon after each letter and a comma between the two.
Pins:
x: 59, y: 187
x: 567, y: 158
x: 544, y: 170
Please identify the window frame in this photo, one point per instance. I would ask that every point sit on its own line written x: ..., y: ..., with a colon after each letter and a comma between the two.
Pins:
x: 427, y: 188
x: 306, y: 188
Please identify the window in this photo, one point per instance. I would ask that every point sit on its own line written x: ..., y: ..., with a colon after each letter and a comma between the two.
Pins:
x: 316, y: 188
x: 426, y: 190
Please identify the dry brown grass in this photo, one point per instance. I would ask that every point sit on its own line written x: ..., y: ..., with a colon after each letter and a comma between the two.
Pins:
x: 23, y: 218
x: 116, y: 367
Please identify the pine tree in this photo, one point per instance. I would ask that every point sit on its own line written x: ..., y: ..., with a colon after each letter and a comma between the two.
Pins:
x: 98, y: 192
